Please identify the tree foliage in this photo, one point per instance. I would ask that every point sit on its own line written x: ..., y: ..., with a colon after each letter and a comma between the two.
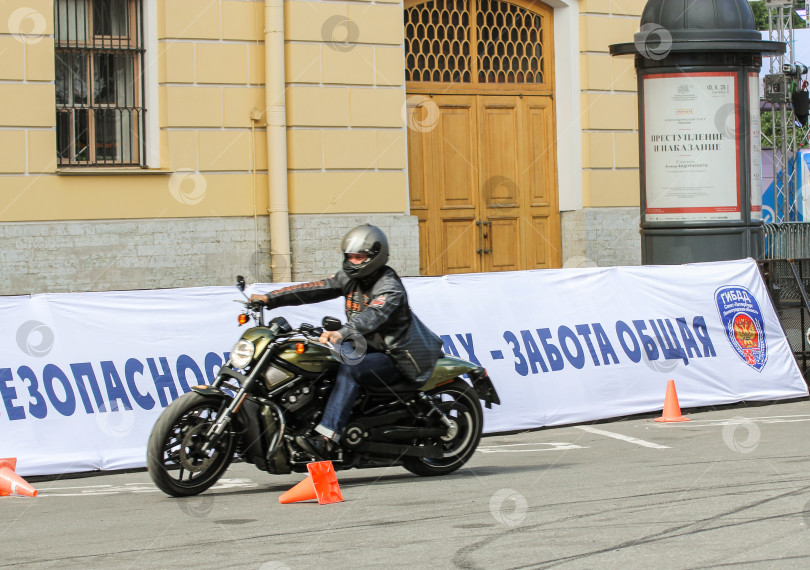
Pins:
x: 766, y: 128
x: 761, y: 16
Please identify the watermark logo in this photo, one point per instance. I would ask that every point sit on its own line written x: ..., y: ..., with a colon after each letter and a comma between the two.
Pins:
x: 350, y: 350
x: 421, y: 113
x: 35, y: 338
x: 340, y: 33
x: 741, y: 435
x: 653, y: 42
x: 508, y: 507
x: 187, y: 186
x: 725, y: 121
x: 117, y: 425
x: 27, y: 25
x: 261, y: 264
x: 662, y: 365
x: 199, y: 506
x: 500, y: 189
x: 270, y: 265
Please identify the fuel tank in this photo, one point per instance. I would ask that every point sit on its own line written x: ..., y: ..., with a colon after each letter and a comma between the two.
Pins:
x: 314, y: 358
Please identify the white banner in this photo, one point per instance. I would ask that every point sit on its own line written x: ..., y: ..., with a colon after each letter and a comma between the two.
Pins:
x: 84, y: 376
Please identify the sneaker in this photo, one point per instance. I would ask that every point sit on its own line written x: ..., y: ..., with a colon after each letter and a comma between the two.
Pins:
x: 318, y: 446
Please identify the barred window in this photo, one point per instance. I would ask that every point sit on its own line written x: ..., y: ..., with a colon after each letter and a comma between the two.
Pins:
x: 505, y: 40
x: 99, y: 82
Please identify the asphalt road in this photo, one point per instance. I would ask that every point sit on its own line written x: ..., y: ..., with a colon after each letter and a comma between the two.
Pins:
x: 731, y: 488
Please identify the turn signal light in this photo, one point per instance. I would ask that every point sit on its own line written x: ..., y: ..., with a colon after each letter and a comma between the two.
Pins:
x: 300, y: 348
x: 243, y: 318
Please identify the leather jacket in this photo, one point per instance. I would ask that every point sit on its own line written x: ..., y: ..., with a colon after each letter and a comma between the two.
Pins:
x: 377, y: 309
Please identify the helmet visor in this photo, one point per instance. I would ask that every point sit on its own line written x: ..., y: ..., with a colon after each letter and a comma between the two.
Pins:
x: 357, y: 244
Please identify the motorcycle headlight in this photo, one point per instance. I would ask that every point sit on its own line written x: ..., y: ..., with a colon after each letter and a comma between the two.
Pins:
x: 242, y: 353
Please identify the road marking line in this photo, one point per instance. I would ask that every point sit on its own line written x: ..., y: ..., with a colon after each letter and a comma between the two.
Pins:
x: 554, y: 446
x: 80, y: 487
x: 626, y: 438
x: 764, y: 417
x: 145, y: 487
x: 742, y: 419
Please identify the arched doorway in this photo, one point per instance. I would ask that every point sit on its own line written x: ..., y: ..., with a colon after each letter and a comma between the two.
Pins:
x: 481, y: 151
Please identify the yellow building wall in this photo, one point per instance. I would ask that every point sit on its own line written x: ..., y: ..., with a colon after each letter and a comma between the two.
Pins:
x: 345, y: 100
x: 345, y: 95
x: 609, y: 104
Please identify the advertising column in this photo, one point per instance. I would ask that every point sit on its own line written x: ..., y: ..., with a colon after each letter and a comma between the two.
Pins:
x: 697, y: 65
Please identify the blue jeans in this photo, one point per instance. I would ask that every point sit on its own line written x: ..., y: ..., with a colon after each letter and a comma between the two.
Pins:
x: 375, y: 368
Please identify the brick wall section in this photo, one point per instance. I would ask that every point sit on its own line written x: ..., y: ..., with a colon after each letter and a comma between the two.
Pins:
x: 316, y: 241
x: 60, y: 257
x: 57, y: 257
x: 601, y: 236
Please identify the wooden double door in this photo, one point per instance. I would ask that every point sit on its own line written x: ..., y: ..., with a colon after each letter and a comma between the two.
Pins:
x: 483, y: 182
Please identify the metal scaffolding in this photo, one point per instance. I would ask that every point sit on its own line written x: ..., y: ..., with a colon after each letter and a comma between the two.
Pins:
x: 784, y: 136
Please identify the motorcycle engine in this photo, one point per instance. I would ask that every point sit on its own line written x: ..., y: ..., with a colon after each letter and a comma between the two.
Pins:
x: 297, y: 397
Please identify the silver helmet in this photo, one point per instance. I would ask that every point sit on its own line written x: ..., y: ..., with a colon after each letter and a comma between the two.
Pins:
x: 366, y: 239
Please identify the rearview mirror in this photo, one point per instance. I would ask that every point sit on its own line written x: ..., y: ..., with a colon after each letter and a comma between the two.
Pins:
x: 331, y: 323
x: 240, y: 282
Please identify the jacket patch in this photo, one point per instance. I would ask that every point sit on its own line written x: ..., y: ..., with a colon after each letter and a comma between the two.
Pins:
x: 379, y: 301
x: 356, y: 302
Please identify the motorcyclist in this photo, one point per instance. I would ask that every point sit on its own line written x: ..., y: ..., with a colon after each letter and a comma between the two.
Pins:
x: 398, y: 344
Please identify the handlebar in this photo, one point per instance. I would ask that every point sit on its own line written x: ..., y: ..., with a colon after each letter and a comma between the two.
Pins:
x: 311, y: 334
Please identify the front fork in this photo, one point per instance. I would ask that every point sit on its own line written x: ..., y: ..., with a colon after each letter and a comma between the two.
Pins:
x: 246, y: 384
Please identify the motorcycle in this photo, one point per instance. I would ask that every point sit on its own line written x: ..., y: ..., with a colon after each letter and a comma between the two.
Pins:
x: 274, y: 387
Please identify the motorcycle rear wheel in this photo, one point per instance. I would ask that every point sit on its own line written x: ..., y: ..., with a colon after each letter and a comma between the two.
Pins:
x: 173, y: 457
x: 466, y: 412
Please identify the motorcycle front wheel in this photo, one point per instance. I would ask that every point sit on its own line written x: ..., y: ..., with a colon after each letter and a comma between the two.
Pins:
x: 466, y: 414
x: 174, y: 456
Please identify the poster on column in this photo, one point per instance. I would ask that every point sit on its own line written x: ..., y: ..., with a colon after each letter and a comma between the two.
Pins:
x: 84, y: 376
x: 691, y: 157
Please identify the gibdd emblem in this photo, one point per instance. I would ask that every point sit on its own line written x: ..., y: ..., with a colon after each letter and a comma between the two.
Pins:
x: 742, y: 321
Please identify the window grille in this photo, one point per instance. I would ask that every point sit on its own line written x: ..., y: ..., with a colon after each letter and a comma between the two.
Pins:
x: 510, y: 44
x: 100, y: 117
x: 507, y: 41
x: 437, y: 41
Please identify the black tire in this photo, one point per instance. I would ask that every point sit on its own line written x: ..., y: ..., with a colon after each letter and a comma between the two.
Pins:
x: 174, y: 463
x: 466, y: 412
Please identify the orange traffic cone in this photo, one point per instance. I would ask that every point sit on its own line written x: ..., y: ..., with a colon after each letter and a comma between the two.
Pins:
x: 321, y: 484
x: 10, y: 482
x: 672, y: 410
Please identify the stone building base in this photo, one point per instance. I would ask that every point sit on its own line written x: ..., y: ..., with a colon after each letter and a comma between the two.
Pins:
x: 315, y: 242
x: 91, y: 255
x: 601, y: 237
x: 56, y: 257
